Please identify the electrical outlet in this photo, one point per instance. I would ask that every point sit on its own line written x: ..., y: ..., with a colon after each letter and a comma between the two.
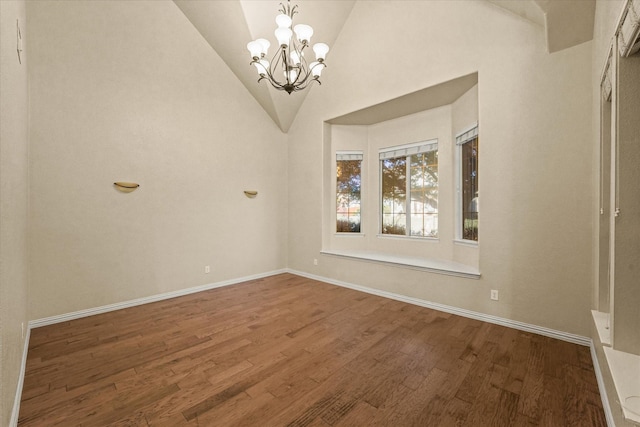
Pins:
x: 315, y: 261
x: 494, y: 294
x: 207, y: 269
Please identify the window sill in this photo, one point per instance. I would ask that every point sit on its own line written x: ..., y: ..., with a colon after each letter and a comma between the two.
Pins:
x: 349, y: 234
x: 625, y: 370
x: 430, y: 265
x: 416, y: 238
x: 461, y: 242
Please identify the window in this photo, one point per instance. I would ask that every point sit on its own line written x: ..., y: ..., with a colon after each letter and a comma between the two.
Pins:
x: 410, y: 206
x: 409, y: 195
x: 469, y: 204
x: 348, y: 183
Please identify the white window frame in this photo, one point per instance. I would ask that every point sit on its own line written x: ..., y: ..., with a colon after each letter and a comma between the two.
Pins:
x: 467, y: 135
x: 348, y: 155
x: 405, y: 150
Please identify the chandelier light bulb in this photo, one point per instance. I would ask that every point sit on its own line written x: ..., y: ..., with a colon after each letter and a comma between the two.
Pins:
x: 320, y: 50
x: 262, y: 66
x: 255, y: 48
x: 283, y: 21
x: 316, y: 68
x: 295, y: 57
x: 284, y: 36
x: 265, y: 46
x: 303, y: 32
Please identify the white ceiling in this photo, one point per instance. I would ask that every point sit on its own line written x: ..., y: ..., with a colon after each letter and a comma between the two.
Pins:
x: 566, y: 23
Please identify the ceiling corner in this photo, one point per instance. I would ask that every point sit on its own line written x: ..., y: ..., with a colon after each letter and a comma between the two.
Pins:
x: 568, y: 23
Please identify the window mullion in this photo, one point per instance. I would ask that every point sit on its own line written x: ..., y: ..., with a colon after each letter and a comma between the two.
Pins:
x: 459, y: 178
x: 408, y: 196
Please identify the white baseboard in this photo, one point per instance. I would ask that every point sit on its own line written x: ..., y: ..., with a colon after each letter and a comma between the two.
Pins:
x: 552, y: 333
x: 145, y: 300
x: 540, y: 330
x: 564, y: 336
x: 107, y: 308
x: 15, y: 412
x: 603, y: 390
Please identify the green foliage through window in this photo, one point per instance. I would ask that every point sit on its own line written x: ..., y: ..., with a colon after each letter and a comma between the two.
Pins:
x: 410, y: 207
x: 348, y: 183
x: 470, y: 197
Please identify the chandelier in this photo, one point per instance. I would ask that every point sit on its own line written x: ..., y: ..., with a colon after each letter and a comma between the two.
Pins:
x: 288, y: 69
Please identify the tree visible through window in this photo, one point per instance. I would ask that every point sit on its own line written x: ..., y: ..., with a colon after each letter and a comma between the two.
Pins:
x: 470, y: 203
x: 348, y: 184
x: 424, y: 194
x: 394, y: 196
x: 417, y: 214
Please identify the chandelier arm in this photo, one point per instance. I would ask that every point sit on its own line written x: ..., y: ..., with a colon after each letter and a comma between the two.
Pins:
x: 288, y: 10
x: 276, y: 63
x: 272, y: 83
x: 294, y: 47
x: 268, y: 75
x: 285, y: 63
x: 315, y: 79
x: 304, y: 66
x: 306, y: 84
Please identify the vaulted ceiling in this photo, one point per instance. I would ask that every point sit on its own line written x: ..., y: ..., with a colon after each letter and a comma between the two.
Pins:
x: 229, y: 25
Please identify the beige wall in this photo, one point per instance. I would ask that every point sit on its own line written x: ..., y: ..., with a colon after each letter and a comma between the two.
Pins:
x: 130, y: 91
x: 535, y: 111
x: 13, y: 200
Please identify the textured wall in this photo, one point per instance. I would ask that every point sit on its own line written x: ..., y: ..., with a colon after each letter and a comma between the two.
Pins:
x: 130, y: 91
x: 535, y: 127
x: 13, y: 200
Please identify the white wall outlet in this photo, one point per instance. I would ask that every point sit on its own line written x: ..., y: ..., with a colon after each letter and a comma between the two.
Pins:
x: 494, y: 294
x: 207, y: 269
x: 315, y: 261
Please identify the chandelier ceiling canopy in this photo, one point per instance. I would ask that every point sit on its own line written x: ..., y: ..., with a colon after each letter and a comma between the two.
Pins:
x: 288, y: 70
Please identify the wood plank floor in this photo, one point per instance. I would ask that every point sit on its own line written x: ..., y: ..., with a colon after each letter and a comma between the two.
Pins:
x: 289, y: 351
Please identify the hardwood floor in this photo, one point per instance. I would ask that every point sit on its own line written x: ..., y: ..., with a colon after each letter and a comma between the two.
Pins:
x: 289, y: 351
